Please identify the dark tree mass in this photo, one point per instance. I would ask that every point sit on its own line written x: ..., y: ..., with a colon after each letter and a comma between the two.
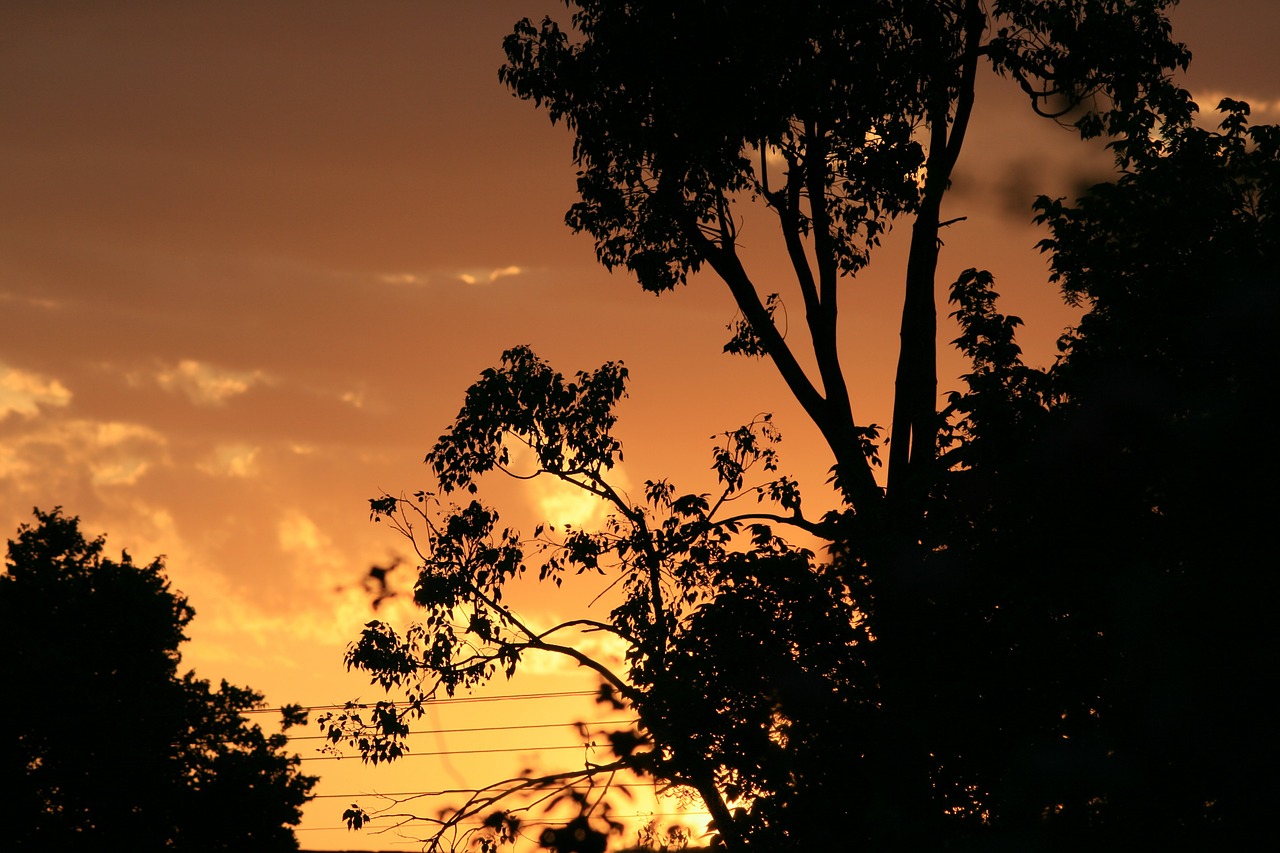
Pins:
x: 1047, y: 630
x: 105, y: 746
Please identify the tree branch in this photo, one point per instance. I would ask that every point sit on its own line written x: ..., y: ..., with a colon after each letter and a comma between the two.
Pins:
x: 837, y: 427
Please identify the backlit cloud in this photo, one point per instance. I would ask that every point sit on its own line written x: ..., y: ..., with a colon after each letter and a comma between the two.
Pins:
x: 557, y: 502
x: 1261, y: 110
x: 231, y: 460
x: 119, y: 454
x: 205, y: 384
x: 24, y: 392
x: 33, y: 301
x: 401, y: 278
x: 505, y: 272
x: 478, y: 276
x: 601, y: 646
x: 316, y: 557
x: 63, y: 453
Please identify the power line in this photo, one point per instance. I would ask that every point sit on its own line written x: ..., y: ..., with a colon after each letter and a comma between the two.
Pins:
x: 490, y: 728
x: 452, y: 752
x: 446, y: 792
x: 480, y: 821
x: 446, y: 701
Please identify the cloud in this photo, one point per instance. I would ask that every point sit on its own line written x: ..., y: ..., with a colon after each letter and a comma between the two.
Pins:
x: 121, y: 453
x: 301, y: 538
x: 560, y: 503
x: 473, y: 275
x: 557, y: 502
x: 490, y: 276
x: 401, y: 278
x: 105, y: 453
x: 24, y: 392
x: 207, y: 385
x: 601, y: 646
x: 1262, y: 110
x: 505, y: 272
x: 114, y: 433
x: 231, y: 460
x: 124, y: 471
x: 34, y: 301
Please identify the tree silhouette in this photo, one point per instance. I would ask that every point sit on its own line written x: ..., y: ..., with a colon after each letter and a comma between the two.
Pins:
x: 1164, y: 383
x: 1101, y: 521
x: 106, y: 747
x: 843, y: 119
x: 1003, y: 650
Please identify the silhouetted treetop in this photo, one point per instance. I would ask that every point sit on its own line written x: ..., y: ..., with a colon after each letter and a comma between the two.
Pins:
x: 1049, y: 630
x: 840, y: 118
x: 122, y: 752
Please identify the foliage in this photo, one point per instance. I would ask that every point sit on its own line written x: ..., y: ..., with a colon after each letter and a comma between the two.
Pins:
x: 1018, y: 642
x: 841, y: 118
x: 1167, y: 380
x: 1106, y: 515
x: 706, y: 587
x: 120, y: 752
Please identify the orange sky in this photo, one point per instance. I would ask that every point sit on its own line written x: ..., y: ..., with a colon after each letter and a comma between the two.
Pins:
x: 251, y: 255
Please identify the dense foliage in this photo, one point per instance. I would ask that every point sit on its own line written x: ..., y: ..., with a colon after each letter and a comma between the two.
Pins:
x: 106, y: 747
x: 843, y: 119
x: 1047, y: 631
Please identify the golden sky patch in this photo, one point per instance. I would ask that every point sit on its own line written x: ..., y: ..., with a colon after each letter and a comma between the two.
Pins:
x: 231, y: 460
x: 24, y: 392
x: 206, y: 384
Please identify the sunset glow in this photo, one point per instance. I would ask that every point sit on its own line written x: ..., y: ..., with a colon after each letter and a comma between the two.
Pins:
x: 253, y: 254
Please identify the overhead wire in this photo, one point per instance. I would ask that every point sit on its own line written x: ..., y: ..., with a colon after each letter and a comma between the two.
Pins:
x: 448, y: 700
x: 480, y: 821
x: 491, y: 728
x: 452, y: 752
x: 472, y: 729
x: 446, y: 792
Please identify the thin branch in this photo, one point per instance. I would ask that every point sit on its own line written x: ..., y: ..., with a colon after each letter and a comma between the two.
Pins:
x: 796, y: 520
x: 588, y: 623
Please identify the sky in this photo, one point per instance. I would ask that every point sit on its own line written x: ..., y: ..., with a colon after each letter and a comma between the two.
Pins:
x: 252, y: 254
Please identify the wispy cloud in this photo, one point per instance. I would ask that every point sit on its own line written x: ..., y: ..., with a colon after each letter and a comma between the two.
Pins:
x: 231, y: 460
x: 490, y: 276
x: 300, y: 537
x: 34, y: 301
x: 402, y: 278
x: 61, y: 452
x: 557, y: 502
x: 124, y: 453
x: 471, y: 275
x: 206, y: 384
x: 1262, y: 110
x: 23, y: 392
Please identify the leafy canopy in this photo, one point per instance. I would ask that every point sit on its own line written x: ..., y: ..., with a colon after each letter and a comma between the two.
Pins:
x: 838, y: 119
x: 959, y: 671
x: 123, y: 753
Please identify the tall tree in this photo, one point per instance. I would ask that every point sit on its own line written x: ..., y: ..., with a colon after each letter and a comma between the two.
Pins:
x: 942, y: 679
x: 1166, y: 385
x: 1100, y: 585
x: 106, y: 746
x: 842, y: 118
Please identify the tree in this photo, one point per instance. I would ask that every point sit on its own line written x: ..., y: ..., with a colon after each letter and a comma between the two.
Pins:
x: 1105, y: 514
x: 942, y: 679
x: 111, y: 749
x: 684, y: 110
x: 1165, y: 384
